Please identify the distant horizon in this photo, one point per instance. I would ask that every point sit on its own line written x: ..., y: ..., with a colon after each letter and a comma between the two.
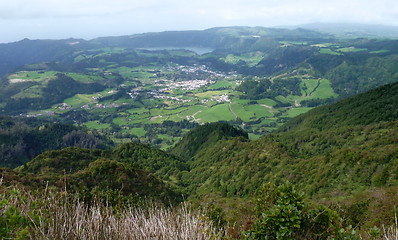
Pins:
x: 180, y: 30
x: 89, y: 19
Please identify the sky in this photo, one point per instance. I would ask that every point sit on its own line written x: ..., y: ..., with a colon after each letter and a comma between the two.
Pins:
x: 88, y: 19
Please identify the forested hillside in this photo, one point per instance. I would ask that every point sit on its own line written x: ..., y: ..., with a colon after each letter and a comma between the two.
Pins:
x: 268, y: 132
x: 348, y: 169
x: 22, y: 139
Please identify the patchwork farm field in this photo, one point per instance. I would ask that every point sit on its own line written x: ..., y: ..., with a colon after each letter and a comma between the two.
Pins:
x: 156, y: 102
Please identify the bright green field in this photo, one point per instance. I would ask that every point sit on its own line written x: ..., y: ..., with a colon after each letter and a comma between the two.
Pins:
x: 217, y: 113
x: 139, y: 132
x: 351, y: 49
x: 297, y: 111
x: 251, y: 59
x: 222, y: 84
x: 210, y: 94
x: 83, y: 78
x: 79, y: 100
x: 250, y: 112
x: 97, y: 125
x: 36, y: 76
x: 310, y: 84
x: 120, y: 121
x: 267, y: 101
x: 32, y: 92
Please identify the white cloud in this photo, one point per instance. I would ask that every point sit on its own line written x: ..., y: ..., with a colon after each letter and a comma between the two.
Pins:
x: 91, y: 18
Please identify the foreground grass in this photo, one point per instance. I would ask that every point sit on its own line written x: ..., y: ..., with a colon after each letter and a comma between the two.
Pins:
x: 60, y: 215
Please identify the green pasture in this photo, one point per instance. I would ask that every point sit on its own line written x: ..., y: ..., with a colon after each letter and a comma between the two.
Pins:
x: 250, y: 59
x: 123, y: 71
x: 192, y: 110
x: 222, y: 84
x: 250, y: 112
x: 36, y: 76
x: 97, y: 125
x: 253, y: 136
x: 297, y: 111
x: 216, y: 113
x: 351, y: 49
x: 267, y: 101
x: 209, y: 94
x: 380, y: 51
x: 139, y: 111
x: 32, y: 92
x: 83, y: 78
x: 162, y: 111
x: 139, y: 132
x: 121, y: 121
x: 79, y: 100
x: 310, y: 85
x: 324, y: 90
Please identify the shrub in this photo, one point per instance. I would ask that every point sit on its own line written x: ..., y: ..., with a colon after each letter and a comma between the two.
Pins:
x: 281, y: 213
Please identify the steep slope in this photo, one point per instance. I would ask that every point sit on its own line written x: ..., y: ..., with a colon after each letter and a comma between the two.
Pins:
x: 350, y: 154
x: 377, y: 105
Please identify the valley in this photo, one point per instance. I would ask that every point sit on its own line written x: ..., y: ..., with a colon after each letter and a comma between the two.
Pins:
x: 150, y: 94
x: 250, y: 133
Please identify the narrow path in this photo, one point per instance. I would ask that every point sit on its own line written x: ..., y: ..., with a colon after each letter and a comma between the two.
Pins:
x: 269, y: 107
x: 230, y: 109
x: 193, y: 116
x: 236, y: 116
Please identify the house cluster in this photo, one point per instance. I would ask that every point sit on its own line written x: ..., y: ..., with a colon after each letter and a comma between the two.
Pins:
x: 184, y: 85
x: 217, y: 98
x: 99, y: 105
x: 64, y: 106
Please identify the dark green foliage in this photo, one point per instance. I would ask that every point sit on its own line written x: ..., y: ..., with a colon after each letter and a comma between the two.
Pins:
x: 110, y: 175
x: 360, y: 73
x: 264, y: 88
x: 13, y: 223
x: 339, y: 159
x: 68, y: 160
x: 282, y: 59
x: 151, y: 159
x: 205, y: 136
x: 91, y: 172
x: 377, y: 105
x: 282, y: 213
x: 279, y: 213
x: 317, y: 102
x: 23, y: 139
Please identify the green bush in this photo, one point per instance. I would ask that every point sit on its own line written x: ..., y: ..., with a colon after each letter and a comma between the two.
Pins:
x: 281, y: 213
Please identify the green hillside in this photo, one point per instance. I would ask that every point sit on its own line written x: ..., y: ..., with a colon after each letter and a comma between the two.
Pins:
x: 96, y: 170
x: 22, y: 139
x: 235, y: 121
x: 377, y: 105
x: 347, y: 170
x: 203, y: 137
x: 349, y: 158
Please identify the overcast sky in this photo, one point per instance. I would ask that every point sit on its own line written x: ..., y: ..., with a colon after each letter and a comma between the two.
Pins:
x: 56, y: 19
